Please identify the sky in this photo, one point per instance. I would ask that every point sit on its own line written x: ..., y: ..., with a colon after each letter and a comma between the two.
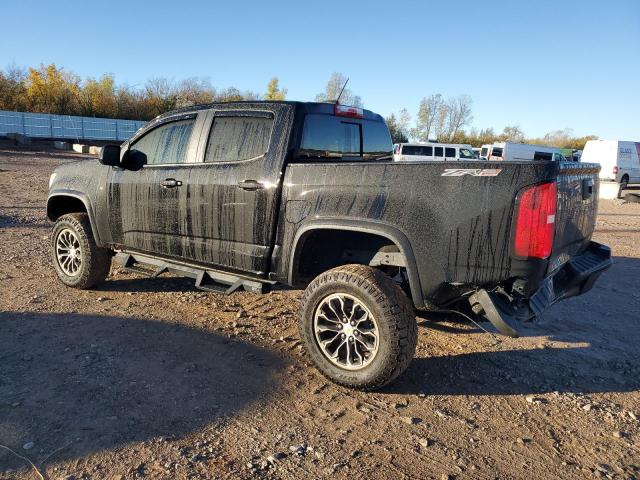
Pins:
x: 542, y: 65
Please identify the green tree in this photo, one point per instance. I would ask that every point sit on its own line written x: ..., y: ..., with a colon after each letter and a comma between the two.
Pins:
x: 397, y: 135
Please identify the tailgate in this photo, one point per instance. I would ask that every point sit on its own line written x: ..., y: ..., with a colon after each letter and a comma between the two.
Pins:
x: 576, y: 212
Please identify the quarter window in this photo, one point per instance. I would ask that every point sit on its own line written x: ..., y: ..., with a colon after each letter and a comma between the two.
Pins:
x: 166, y: 144
x: 236, y: 138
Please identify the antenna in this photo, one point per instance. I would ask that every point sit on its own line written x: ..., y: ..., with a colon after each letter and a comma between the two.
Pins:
x: 343, y: 87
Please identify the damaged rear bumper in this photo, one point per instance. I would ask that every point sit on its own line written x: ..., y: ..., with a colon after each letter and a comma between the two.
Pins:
x: 575, y: 277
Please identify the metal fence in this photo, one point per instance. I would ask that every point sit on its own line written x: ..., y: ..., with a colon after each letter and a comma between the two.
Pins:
x: 44, y: 125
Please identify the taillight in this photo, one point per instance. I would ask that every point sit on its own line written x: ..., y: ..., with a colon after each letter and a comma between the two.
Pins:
x: 346, y: 111
x: 535, y: 222
x: 615, y: 169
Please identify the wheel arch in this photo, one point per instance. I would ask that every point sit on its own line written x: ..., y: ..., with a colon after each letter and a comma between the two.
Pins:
x: 389, y: 233
x: 68, y: 201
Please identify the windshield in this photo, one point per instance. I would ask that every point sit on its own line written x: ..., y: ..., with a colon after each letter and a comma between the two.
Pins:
x: 467, y: 153
x: 334, y: 137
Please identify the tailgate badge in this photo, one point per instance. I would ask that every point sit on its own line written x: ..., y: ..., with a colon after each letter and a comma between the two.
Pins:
x: 474, y: 172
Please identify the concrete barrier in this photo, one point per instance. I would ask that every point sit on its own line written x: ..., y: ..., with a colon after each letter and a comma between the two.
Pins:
x: 61, y: 145
x: 80, y: 148
x: 19, y: 138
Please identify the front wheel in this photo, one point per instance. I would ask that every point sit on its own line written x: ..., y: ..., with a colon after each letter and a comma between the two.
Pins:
x: 358, y: 326
x: 76, y: 258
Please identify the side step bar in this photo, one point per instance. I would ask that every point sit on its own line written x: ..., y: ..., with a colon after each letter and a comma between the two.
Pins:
x: 208, y: 280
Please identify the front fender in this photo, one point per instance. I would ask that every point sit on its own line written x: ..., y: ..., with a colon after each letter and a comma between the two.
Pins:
x: 56, y: 198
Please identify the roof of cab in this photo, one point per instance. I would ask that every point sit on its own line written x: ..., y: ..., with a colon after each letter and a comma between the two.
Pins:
x: 303, y: 107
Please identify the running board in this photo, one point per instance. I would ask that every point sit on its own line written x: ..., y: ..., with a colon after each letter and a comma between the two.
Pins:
x: 209, y: 280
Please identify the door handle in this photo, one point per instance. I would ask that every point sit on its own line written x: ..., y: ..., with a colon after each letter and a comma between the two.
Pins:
x: 250, y: 185
x: 171, y: 183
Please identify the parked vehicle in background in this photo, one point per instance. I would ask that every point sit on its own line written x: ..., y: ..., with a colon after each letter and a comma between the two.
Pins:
x: 250, y: 194
x: 432, y: 151
x: 484, y: 151
x: 620, y: 160
x: 518, y: 152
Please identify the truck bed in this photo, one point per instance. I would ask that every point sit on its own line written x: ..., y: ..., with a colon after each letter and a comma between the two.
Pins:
x: 456, y: 216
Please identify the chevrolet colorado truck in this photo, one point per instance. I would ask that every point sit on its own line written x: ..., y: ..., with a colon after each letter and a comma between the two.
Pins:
x: 251, y: 194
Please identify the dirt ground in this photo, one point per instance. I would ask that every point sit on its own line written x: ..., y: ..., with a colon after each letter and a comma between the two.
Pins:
x: 153, y: 378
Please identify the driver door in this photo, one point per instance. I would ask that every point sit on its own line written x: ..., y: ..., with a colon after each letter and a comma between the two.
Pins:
x: 144, y: 197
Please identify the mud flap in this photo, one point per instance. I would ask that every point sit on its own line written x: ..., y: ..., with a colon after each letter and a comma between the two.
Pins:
x: 488, y: 304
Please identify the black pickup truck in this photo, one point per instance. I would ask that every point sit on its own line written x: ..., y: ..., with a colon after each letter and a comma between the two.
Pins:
x: 250, y: 194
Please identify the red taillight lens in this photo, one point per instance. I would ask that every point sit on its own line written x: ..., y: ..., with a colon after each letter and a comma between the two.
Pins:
x: 346, y: 111
x: 615, y: 169
x: 536, y: 221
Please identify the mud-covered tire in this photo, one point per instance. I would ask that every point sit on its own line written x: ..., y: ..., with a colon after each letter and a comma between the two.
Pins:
x: 95, y: 262
x: 394, y: 316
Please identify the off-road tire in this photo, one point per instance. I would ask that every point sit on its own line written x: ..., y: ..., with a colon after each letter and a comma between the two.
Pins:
x: 95, y: 261
x: 392, y: 310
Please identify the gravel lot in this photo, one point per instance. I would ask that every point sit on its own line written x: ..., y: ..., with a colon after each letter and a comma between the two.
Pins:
x: 152, y: 378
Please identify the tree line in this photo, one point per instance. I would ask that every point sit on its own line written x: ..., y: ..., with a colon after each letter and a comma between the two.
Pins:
x: 446, y: 120
x: 51, y: 89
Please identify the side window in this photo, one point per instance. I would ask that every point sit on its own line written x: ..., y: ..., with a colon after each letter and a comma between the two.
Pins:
x: 166, y: 144
x: 438, y: 152
x: 427, y: 151
x: 450, y: 152
x: 233, y: 139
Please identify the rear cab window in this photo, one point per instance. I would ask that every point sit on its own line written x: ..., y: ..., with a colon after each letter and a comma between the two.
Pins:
x: 330, y: 136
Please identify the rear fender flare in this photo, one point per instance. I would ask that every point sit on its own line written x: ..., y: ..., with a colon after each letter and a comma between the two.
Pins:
x: 374, y: 228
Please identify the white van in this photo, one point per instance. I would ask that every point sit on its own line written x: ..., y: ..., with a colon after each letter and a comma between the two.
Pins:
x: 431, y: 151
x: 518, y: 152
x: 484, y: 150
x: 620, y: 161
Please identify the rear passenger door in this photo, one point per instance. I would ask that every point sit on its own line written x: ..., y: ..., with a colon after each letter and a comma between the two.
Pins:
x: 438, y: 153
x: 232, y: 199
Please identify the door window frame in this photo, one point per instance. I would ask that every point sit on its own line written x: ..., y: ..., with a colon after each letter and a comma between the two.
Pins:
x: 208, y: 127
x: 191, y: 147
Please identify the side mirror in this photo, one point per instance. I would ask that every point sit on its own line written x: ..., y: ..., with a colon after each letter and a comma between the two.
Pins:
x: 110, y: 155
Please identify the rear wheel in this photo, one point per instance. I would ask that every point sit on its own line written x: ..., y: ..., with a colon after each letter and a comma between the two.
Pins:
x: 358, y: 326
x: 77, y: 260
x: 624, y: 181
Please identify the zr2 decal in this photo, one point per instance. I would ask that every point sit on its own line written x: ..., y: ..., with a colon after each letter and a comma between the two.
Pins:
x: 474, y: 172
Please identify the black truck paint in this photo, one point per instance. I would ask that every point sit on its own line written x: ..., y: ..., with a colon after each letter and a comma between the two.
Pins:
x: 286, y: 216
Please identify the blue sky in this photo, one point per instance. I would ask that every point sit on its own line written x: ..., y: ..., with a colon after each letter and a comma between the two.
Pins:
x: 543, y: 65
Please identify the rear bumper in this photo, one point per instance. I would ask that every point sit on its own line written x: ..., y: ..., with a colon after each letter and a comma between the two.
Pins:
x: 575, y: 277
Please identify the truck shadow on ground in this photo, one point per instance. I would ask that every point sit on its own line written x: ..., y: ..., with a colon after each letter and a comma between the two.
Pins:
x: 599, y: 334
x: 100, y: 381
